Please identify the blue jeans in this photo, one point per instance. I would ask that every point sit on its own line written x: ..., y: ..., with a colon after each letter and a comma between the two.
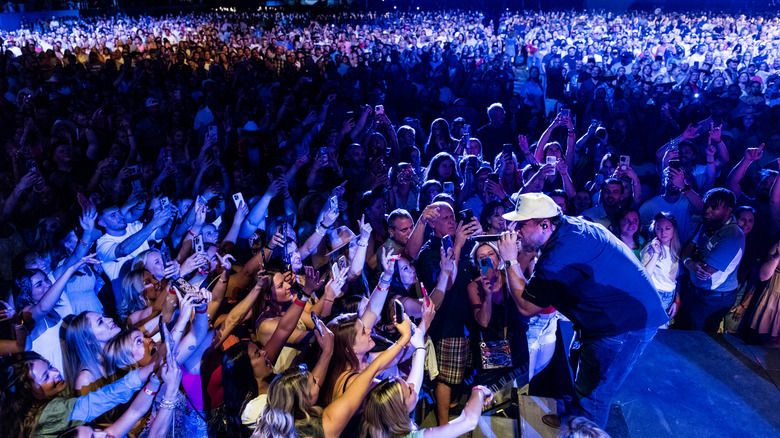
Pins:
x: 603, y: 366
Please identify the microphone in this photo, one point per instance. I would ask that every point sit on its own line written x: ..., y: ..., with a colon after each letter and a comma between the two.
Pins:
x: 485, y: 238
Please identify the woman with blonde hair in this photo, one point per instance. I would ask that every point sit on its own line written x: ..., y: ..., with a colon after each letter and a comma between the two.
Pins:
x: 291, y: 410
x: 661, y: 260
x: 386, y: 412
x: 85, y: 338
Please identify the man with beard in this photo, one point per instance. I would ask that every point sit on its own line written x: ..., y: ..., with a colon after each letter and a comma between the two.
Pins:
x: 712, y: 258
x: 593, y: 279
x: 609, y: 203
x: 678, y: 200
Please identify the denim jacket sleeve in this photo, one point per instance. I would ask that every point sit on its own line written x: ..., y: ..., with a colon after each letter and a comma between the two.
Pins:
x: 62, y: 413
x: 94, y: 404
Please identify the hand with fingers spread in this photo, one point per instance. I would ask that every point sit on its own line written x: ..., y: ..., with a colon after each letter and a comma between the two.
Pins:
x: 313, y: 280
x: 193, y: 262
x: 87, y: 222
x: 90, y: 259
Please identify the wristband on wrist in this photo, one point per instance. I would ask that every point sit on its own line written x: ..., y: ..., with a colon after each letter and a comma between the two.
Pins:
x: 149, y: 391
x: 83, y: 243
x: 363, y: 245
x: 298, y: 302
x: 200, y: 311
x: 191, y: 233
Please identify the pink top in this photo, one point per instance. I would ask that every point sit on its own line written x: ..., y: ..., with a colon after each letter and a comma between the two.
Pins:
x: 193, y: 387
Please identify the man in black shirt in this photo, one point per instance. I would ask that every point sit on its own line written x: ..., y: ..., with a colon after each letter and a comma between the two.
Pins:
x: 593, y: 279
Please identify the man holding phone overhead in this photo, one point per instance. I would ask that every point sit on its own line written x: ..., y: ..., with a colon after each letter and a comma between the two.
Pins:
x: 445, y: 278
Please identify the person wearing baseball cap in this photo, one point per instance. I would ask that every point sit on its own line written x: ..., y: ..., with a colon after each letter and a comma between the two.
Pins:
x: 593, y: 279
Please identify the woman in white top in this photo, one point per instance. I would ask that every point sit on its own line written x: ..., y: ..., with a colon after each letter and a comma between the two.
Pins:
x: 661, y: 260
x: 36, y: 297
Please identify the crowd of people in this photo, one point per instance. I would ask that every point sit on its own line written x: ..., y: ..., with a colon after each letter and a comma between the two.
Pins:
x: 279, y: 224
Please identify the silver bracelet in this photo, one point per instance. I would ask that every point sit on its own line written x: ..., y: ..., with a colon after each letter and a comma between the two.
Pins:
x: 166, y: 404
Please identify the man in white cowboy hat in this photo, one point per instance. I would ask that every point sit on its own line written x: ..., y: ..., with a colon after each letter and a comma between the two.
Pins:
x: 593, y: 279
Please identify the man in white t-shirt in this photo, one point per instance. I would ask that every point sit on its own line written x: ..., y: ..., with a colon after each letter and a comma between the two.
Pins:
x: 679, y: 200
x: 123, y: 241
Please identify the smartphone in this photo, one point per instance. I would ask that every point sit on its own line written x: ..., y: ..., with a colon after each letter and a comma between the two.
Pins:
x: 322, y: 152
x: 350, y: 114
x: 494, y: 177
x: 399, y: 311
x: 625, y: 161
x: 565, y: 112
x: 466, y: 129
x: 32, y: 166
x: 238, y: 198
x: 553, y: 161
x: 213, y: 131
x: 342, y: 263
x: 486, y: 265
x: 674, y: 163
x: 425, y: 294
x: 334, y: 203
x: 379, y: 109
x: 164, y: 202
x: 185, y: 287
x: 315, y: 320
x: 197, y: 243
x: 135, y: 170
x: 335, y: 272
x: 449, y: 188
x: 446, y: 243
x: 466, y: 215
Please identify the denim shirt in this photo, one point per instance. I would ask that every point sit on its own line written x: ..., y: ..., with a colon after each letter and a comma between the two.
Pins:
x: 62, y: 412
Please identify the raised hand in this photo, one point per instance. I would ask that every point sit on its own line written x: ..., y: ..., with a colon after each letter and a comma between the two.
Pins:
x: 689, y: 132
x: 172, y: 270
x: 447, y: 263
x: 313, y: 280
x: 277, y: 240
x: 326, y: 339
x: 225, y: 261
x: 365, y: 229
x: 753, y: 154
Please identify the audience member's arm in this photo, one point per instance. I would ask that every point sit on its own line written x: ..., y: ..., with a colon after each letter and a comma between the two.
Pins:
x: 417, y: 238
x: 338, y: 413
x: 135, y: 240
